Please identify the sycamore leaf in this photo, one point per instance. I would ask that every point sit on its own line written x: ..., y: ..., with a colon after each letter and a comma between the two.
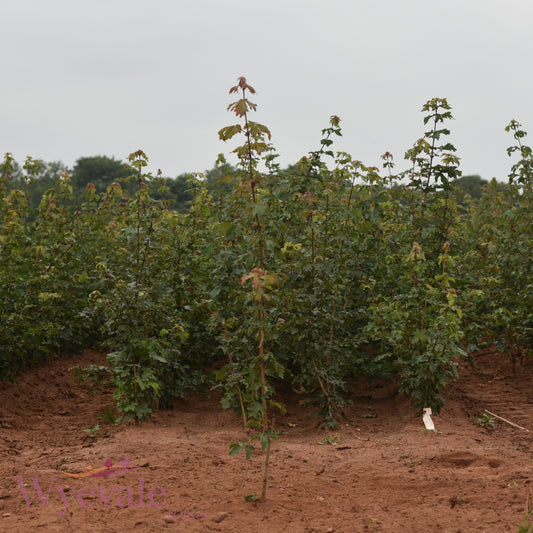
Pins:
x: 229, y: 131
x: 257, y: 130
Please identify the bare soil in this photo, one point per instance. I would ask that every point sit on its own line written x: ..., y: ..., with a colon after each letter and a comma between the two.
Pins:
x: 378, y: 471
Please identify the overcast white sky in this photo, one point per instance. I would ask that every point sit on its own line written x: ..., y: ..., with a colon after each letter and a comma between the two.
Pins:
x: 108, y: 77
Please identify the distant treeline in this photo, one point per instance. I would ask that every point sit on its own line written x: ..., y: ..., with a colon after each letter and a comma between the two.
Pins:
x: 178, y: 192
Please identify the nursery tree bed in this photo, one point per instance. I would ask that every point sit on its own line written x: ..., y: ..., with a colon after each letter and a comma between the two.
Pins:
x: 377, y: 471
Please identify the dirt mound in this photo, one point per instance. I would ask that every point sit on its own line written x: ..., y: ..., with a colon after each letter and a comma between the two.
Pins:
x: 378, y: 471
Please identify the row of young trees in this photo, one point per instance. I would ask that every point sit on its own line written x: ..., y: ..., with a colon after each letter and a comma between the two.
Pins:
x: 176, y: 192
x: 308, y: 276
x: 102, y: 171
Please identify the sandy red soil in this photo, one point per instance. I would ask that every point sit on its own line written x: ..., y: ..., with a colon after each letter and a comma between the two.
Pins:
x: 385, y: 473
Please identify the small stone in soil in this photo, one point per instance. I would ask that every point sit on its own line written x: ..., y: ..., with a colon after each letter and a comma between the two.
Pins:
x: 219, y: 517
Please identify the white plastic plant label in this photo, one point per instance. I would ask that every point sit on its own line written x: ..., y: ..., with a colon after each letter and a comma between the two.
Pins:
x: 426, y: 418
